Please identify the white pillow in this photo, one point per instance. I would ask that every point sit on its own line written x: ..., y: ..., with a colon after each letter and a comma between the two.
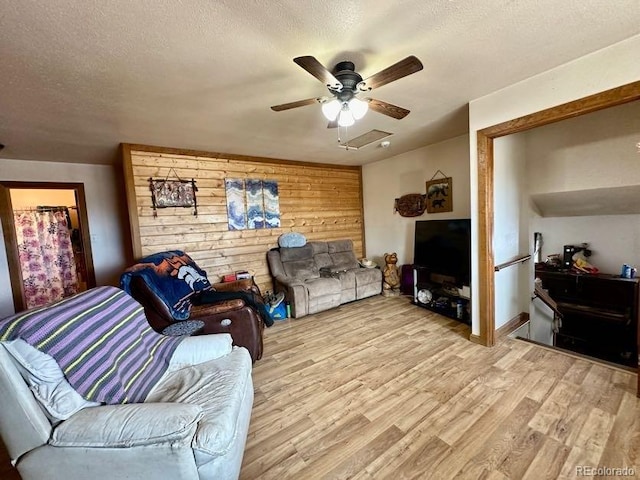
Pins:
x: 47, y: 382
x: 200, y: 349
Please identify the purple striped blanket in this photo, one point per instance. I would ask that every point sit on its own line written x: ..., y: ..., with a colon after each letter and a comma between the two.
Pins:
x: 102, y: 341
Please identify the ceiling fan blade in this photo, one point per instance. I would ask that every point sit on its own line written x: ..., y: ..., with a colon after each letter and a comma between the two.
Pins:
x: 315, y: 68
x: 387, y: 108
x: 333, y: 123
x: 299, y: 103
x: 390, y: 74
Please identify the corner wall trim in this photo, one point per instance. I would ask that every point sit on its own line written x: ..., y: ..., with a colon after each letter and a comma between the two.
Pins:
x: 516, y: 322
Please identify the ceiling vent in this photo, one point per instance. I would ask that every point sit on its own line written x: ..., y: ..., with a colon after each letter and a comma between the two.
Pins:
x: 365, y: 139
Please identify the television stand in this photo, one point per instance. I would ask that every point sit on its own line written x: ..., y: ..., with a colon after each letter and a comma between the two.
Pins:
x: 432, y: 292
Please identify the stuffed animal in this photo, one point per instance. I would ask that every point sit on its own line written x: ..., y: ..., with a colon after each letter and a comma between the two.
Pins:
x: 390, y: 273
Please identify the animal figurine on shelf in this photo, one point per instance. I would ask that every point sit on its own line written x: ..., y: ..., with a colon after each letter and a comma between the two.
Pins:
x: 391, y: 275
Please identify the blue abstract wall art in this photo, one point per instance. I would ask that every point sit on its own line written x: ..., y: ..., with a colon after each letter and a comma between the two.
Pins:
x: 271, y: 203
x: 236, y: 209
x: 255, y: 203
x: 252, y: 203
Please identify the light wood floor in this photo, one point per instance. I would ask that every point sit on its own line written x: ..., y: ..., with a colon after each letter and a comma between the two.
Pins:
x: 383, y: 389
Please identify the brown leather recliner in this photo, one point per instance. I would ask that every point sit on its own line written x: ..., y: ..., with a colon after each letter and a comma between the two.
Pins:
x: 228, y: 316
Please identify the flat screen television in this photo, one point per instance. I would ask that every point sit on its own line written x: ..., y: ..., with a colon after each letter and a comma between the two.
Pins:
x: 443, y: 247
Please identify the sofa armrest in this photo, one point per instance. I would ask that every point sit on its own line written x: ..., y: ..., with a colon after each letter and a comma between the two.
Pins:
x: 198, y: 312
x: 129, y: 425
x: 288, y: 281
x: 200, y: 349
x: 295, y: 293
x: 246, y: 284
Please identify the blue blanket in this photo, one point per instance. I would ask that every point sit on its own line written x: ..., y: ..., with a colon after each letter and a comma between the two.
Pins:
x: 173, y: 276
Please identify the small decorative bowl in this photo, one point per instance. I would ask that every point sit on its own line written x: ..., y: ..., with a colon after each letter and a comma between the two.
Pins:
x: 366, y: 263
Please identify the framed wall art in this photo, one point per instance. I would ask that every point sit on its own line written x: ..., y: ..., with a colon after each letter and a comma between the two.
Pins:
x: 271, y: 203
x: 236, y: 203
x: 252, y: 203
x: 255, y: 203
x: 440, y: 195
x: 173, y: 193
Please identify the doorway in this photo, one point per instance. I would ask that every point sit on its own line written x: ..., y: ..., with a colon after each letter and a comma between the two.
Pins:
x: 47, y: 241
x: 485, y: 148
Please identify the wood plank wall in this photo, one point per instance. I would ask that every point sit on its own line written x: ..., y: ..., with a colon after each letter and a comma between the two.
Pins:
x: 323, y: 202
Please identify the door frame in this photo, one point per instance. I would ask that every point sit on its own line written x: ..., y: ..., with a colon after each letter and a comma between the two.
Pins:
x: 11, y: 241
x: 485, y: 137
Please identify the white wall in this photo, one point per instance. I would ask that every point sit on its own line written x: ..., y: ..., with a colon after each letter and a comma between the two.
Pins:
x: 386, y: 180
x: 511, y: 227
x: 597, y: 150
x: 607, y: 68
x: 613, y: 239
x: 105, y: 209
x: 589, y: 152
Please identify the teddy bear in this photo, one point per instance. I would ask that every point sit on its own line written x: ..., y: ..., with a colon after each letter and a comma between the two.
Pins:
x: 391, y: 284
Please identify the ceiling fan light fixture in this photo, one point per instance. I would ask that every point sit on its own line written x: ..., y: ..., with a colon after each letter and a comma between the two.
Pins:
x: 346, y: 117
x: 358, y: 107
x: 331, y: 109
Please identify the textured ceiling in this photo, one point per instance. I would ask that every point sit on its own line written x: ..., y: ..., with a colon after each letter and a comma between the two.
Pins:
x: 77, y: 78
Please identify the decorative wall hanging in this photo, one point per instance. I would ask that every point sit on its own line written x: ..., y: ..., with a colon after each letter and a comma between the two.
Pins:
x: 271, y: 203
x: 255, y: 203
x: 173, y: 193
x: 252, y: 203
x: 410, y: 205
x: 440, y: 194
x: 236, y: 208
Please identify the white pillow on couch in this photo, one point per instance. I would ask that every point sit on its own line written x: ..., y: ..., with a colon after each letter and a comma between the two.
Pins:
x: 47, y: 381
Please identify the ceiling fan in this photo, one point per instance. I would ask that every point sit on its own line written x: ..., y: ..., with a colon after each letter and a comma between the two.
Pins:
x: 344, y: 107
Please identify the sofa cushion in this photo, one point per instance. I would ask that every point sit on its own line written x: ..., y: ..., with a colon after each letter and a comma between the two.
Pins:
x: 46, y: 381
x: 319, y: 287
x: 298, y: 262
x: 336, y: 246
x: 295, y: 254
x: 364, y: 276
x: 125, y: 426
x: 218, y: 387
x: 348, y: 285
x: 344, y: 260
x: 319, y: 247
x: 200, y: 349
x: 323, y: 260
x: 323, y: 294
x: 302, y: 269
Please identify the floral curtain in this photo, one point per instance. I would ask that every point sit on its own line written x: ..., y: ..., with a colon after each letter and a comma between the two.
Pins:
x: 46, y: 256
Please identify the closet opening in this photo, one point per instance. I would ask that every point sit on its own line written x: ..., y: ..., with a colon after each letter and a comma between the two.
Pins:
x: 47, y: 241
